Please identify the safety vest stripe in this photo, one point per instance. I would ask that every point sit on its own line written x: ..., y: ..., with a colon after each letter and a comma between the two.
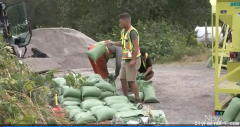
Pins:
x: 125, y: 54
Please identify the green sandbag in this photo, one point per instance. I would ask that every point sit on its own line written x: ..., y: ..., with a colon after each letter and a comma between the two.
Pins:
x: 126, y: 109
x: 105, y: 86
x: 95, y: 76
x: 232, y: 110
x: 104, y: 114
x: 67, y: 109
x: 237, y: 118
x: 116, y: 98
x: 111, y: 102
x: 149, y: 93
x: 95, y: 108
x: 111, y: 80
x: 91, y: 91
x: 59, y: 91
x: 60, y: 81
x: 225, y: 60
x: 90, y: 103
x: 120, y: 105
x: 71, y: 92
x: 87, y: 98
x: 96, y: 52
x: 70, y: 103
x: 158, y: 116
x: 106, y: 94
x: 84, y: 118
x: 74, y: 112
x: 140, y: 83
x: 70, y: 99
x: 125, y: 114
x: 88, y: 83
x: 60, y: 99
x: 132, y: 96
x: 209, y: 62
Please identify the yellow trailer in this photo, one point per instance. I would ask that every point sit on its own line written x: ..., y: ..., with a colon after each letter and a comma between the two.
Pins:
x: 228, y: 11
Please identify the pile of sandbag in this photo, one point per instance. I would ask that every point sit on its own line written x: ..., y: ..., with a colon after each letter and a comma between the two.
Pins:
x: 97, y: 101
x: 232, y: 112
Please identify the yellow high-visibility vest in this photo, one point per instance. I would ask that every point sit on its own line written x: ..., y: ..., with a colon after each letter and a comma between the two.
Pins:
x: 127, y: 44
x: 144, y: 62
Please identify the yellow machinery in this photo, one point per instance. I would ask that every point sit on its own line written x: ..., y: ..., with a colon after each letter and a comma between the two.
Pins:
x: 228, y: 11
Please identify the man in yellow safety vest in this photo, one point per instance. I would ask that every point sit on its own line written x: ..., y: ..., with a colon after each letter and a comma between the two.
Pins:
x: 130, y: 56
x: 146, y: 65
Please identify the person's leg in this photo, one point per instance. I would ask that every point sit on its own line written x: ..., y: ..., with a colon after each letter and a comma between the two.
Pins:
x: 131, y: 73
x: 149, y: 76
x: 101, y: 67
x: 124, y: 80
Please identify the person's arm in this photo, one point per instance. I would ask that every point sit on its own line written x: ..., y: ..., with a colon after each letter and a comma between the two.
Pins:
x: 148, y: 65
x: 118, y: 57
x: 134, y: 39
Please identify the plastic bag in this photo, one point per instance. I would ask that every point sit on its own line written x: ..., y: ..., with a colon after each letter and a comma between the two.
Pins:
x: 84, y: 117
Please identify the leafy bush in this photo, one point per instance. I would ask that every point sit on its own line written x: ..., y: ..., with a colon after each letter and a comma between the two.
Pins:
x: 164, y: 42
x: 22, y: 93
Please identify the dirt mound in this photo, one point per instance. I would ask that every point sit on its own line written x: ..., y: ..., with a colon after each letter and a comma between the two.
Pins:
x: 65, y: 46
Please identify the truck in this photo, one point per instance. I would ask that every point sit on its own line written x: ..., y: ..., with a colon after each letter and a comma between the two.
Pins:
x: 15, y: 27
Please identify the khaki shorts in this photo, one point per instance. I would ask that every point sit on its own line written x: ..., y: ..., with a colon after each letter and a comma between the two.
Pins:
x: 130, y: 73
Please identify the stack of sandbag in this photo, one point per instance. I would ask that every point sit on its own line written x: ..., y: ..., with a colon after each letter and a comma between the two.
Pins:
x: 146, y: 92
x: 232, y: 112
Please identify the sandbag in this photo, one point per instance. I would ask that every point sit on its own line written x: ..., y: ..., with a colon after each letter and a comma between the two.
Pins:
x: 232, y: 110
x: 95, y: 108
x: 71, y: 92
x: 209, y: 62
x: 111, y: 80
x: 59, y: 91
x: 140, y: 83
x: 237, y: 118
x: 67, y: 109
x: 149, y: 92
x: 111, y: 102
x: 158, y: 116
x: 125, y: 114
x: 74, y: 112
x: 116, y: 98
x: 104, y: 114
x: 88, y: 83
x: 127, y: 109
x: 69, y: 99
x: 120, y: 105
x: 132, y: 96
x: 70, y: 103
x: 90, y: 103
x: 84, y: 118
x: 60, y: 81
x: 106, y: 94
x: 95, y: 76
x: 105, y: 86
x: 96, y: 52
x: 90, y: 91
x: 87, y: 98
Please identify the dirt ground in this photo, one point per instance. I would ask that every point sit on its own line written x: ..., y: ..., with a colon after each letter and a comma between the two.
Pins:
x: 185, y: 92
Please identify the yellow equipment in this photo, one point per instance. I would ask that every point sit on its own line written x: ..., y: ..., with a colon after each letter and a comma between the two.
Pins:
x: 228, y: 11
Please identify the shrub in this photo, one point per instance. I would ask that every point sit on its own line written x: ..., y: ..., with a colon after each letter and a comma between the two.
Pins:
x: 163, y: 41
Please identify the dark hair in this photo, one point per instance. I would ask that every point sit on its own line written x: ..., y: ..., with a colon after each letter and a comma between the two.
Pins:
x: 143, y: 51
x: 124, y: 16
